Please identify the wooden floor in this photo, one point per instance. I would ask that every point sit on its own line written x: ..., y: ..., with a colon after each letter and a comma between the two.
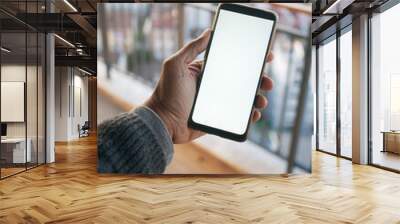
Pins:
x: 8, y: 171
x: 386, y: 159
x: 70, y: 191
x: 11, y: 170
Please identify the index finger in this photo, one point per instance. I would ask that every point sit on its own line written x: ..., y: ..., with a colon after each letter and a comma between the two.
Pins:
x: 190, y: 51
x: 270, y: 57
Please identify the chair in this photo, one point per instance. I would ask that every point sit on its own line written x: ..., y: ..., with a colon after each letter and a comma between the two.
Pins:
x: 84, y: 130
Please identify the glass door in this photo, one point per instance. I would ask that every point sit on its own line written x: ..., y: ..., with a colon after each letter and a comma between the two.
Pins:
x: 22, y: 77
x: 14, y: 154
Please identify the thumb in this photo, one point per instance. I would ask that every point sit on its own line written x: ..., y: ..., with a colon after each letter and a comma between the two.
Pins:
x: 190, y: 51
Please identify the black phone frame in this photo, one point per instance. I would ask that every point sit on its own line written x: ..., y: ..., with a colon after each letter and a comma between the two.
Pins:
x: 247, y: 11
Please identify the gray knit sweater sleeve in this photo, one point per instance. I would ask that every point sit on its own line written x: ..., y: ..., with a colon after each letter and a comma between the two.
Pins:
x: 134, y: 142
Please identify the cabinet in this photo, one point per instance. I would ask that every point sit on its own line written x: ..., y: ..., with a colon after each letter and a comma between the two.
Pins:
x: 391, y: 142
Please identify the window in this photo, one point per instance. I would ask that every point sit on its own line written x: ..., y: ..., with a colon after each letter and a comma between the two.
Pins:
x: 327, y: 96
x: 346, y: 94
x: 385, y: 89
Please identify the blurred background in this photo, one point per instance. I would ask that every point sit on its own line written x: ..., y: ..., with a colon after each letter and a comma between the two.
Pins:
x: 134, y: 39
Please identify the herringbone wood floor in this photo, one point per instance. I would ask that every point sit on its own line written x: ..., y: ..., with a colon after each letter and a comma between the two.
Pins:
x: 70, y: 191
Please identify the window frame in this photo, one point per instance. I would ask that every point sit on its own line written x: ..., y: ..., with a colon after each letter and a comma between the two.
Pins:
x: 379, y: 10
x: 334, y: 37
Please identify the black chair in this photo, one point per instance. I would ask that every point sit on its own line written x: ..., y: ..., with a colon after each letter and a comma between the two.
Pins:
x: 84, y: 130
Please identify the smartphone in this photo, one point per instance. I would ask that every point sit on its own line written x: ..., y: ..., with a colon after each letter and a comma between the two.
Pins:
x: 232, y: 70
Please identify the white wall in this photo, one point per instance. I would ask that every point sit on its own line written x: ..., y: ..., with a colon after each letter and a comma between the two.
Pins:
x: 62, y: 81
x: 70, y: 83
x: 11, y: 73
x: 33, y: 127
x: 14, y: 73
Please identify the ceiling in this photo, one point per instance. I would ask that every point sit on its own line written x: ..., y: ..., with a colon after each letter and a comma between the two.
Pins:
x: 331, y: 15
x: 74, y: 22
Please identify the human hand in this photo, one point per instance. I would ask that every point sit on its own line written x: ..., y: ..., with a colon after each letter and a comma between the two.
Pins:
x: 174, y: 95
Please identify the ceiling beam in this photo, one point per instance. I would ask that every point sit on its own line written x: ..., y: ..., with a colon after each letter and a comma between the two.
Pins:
x: 320, y: 22
x: 337, y: 7
x: 84, y: 24
x: 77, y: 61
x: 49, y: 22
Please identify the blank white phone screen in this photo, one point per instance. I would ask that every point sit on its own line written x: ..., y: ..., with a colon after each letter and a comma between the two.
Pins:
x: 233, y: 69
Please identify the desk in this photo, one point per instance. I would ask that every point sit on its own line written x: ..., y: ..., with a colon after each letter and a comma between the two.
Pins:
x: 13, y: 150
x: 391, y: 141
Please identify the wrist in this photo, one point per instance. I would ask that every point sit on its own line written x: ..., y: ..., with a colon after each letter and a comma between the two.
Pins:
x: 158, y: 109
